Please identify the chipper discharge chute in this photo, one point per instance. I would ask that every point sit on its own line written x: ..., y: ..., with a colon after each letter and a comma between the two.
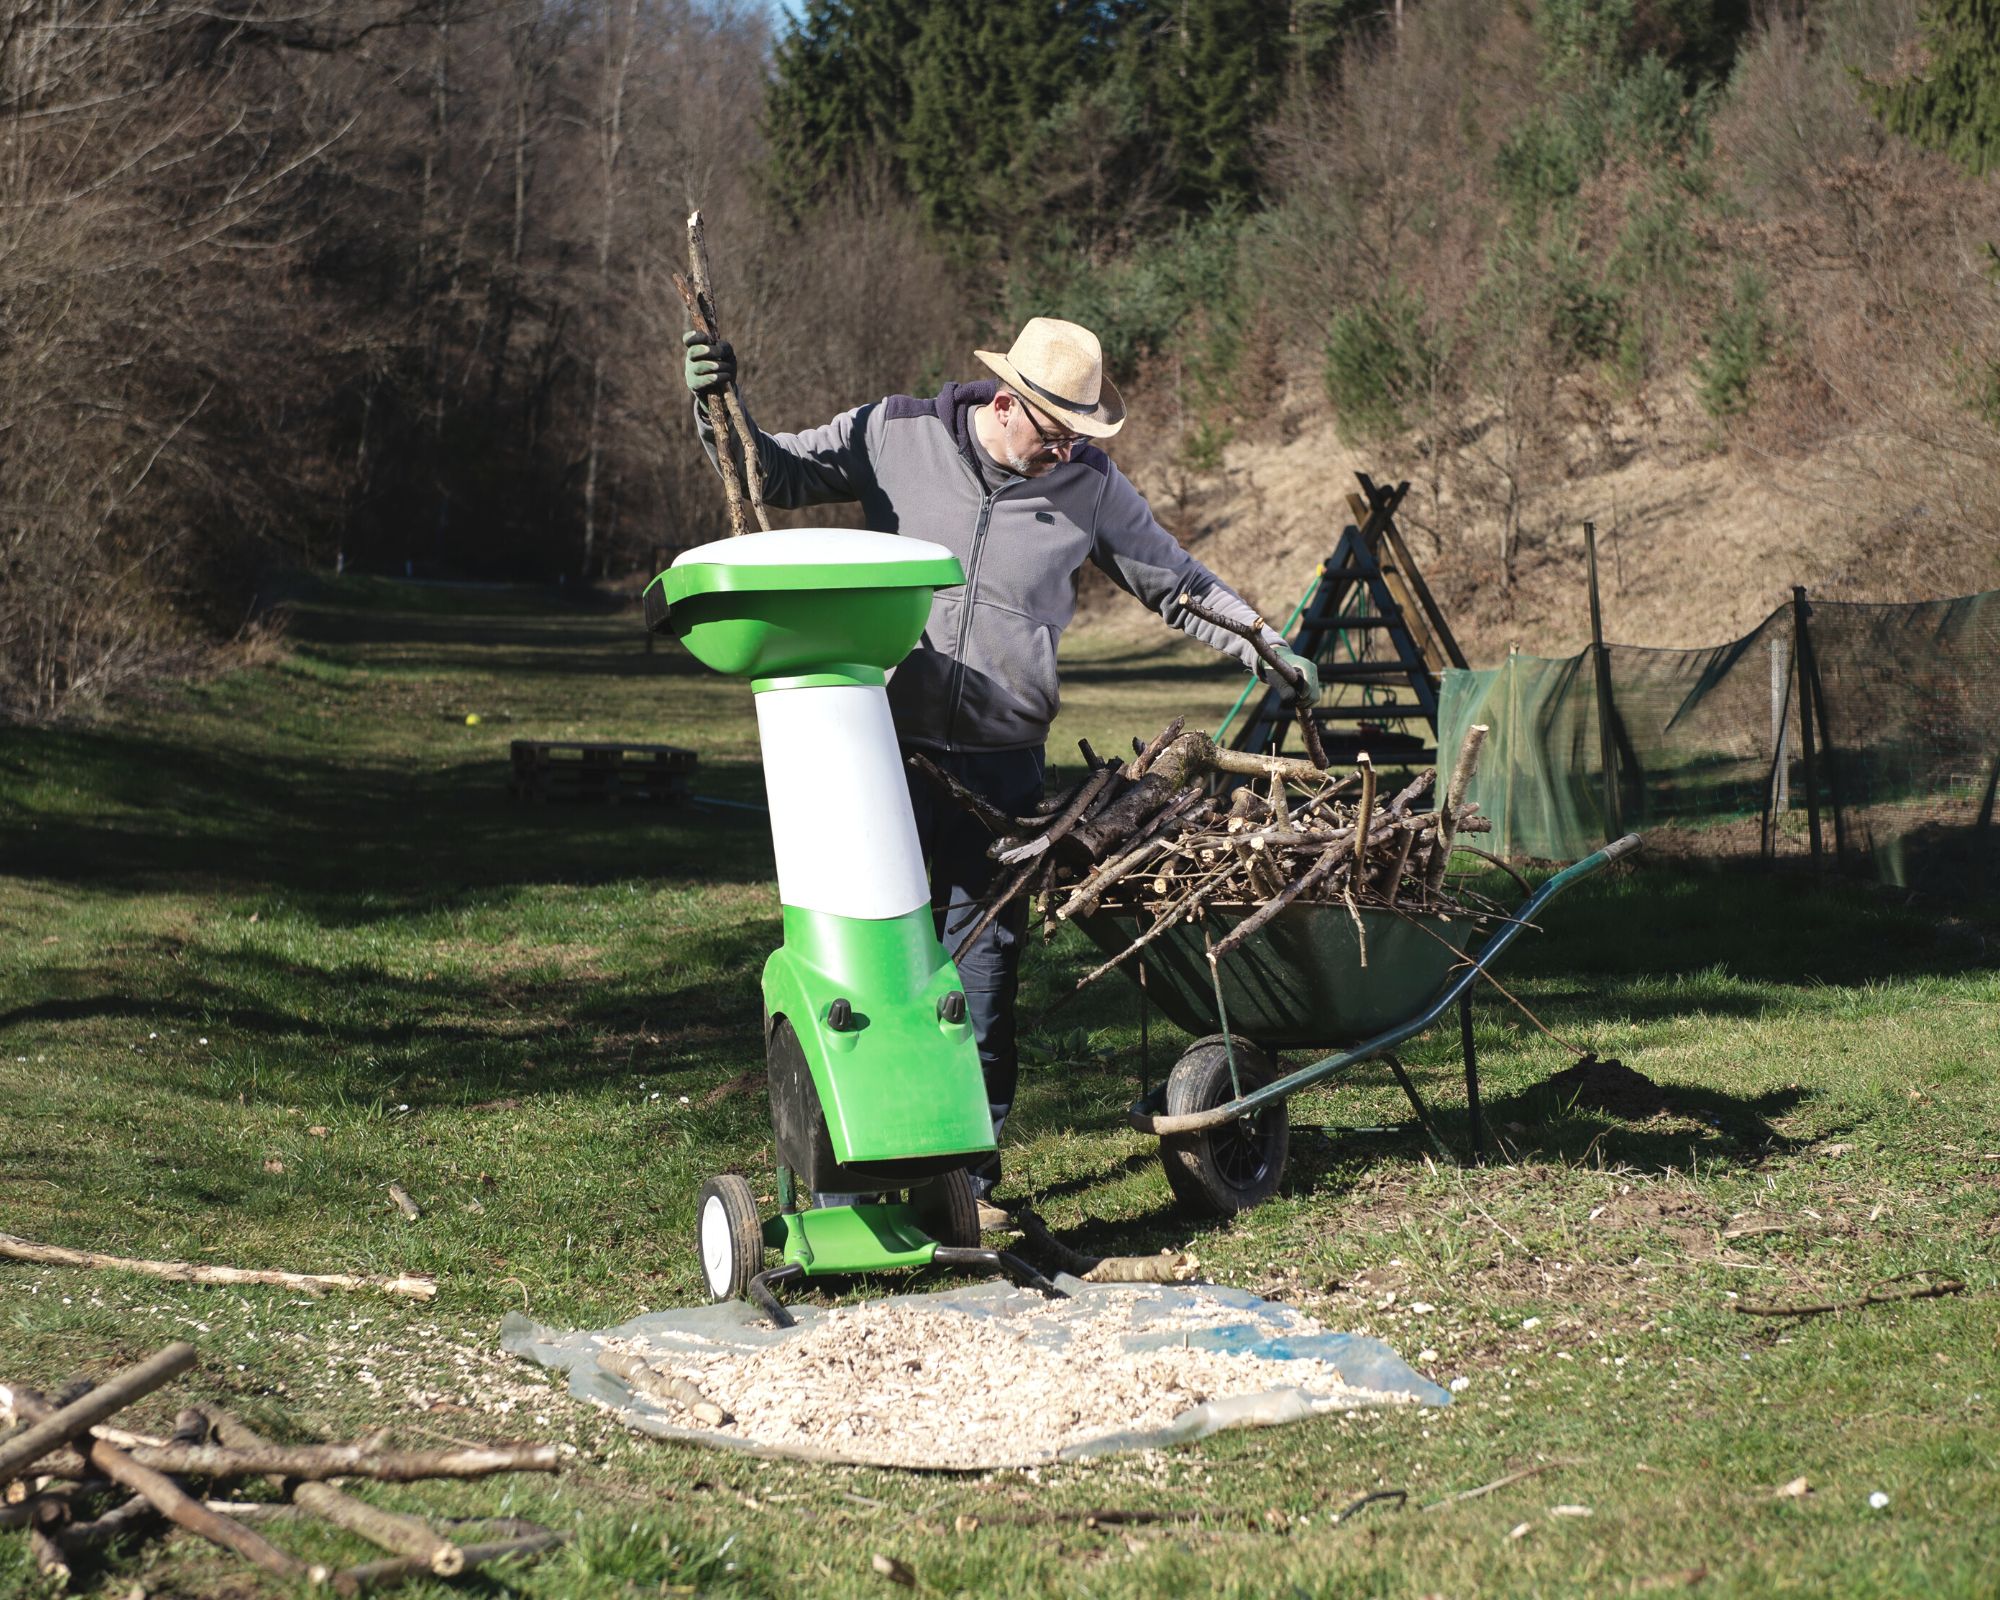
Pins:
x: 875, y: 1083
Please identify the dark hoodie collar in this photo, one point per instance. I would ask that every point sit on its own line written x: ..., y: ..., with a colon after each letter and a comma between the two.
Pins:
x: 955, y: 404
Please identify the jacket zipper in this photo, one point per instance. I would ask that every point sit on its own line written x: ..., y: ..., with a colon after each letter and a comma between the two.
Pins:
x: 965, y: 619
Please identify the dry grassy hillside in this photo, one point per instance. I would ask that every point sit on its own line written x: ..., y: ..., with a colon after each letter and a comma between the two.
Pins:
x: 1698, y: 539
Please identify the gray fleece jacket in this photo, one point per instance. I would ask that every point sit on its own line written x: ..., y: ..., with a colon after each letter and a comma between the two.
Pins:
x: 983, y: 676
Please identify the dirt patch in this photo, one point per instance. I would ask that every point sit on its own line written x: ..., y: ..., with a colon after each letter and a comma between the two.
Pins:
x: 1612, y: 1087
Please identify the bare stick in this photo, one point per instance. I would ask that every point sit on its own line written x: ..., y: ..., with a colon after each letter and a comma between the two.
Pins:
x: 1498, y: 1483
x: 1152, y: 748
x: 1310, y: 879
x: 44, y: 1545
x: 1252, y: 633
x: 1936, y: 1290
x: 718, y: 415
x: 181, y: 1507
x: 1175, y: 1268
x: 392, y: 1530
x: 641, y: 1375
x: 1008, y: 891
x: 1179, y: 913
x: 1066, y: 819
x: 404, y: 1203
x: 109, y: 1397
x: 732, y: 402
x: 137, y: 1513
x: 411, y: 1284
x: 364, y: 1460
x: 1461, y: 776
x: 1083, y: 900
x: 997, y: 821
x: 1244, y: 764
x: 383, y: 1574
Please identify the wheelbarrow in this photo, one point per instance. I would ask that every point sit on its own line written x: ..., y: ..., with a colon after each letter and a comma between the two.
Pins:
x: 1298, y: 982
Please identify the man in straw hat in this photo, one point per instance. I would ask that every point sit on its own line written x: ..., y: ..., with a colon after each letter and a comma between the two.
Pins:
x: 1007, y: 474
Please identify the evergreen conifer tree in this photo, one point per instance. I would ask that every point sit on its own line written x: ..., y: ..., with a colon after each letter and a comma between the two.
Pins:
x: 1953, y: 102
x: 986, y: 87
x: 1217, y: 70
x: 839, y: 97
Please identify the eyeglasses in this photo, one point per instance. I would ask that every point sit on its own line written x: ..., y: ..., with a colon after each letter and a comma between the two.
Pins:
x: 1053, y: 441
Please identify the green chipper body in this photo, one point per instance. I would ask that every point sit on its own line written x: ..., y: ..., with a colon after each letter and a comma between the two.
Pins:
x: 876, y: 1092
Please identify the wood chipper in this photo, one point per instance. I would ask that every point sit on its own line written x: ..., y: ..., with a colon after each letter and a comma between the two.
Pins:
x: 875, y: 1083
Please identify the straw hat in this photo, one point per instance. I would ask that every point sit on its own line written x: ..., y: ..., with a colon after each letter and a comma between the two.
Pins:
x: 1058, y: 368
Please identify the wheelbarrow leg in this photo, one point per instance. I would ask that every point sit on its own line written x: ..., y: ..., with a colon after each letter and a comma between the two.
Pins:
x: 1423, y: 1111
x: 1471, y: 1077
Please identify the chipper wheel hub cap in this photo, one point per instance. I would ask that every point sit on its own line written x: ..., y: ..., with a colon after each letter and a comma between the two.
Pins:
x: 718, y: 1258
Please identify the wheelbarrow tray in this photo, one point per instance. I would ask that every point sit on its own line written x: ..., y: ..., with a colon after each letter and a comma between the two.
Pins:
x: 1300, y: 980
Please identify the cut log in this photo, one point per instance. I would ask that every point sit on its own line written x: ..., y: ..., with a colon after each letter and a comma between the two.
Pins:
x: 366, y: 1460
x: 400, y: 1535
x: 641, y: 1375
x: 180, y: 1507
x: 384, y: 1574
x: 420, y: 1288
x: 108, y: 1398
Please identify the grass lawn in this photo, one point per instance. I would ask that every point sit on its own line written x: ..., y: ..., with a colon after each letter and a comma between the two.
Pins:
x: 277, y: 941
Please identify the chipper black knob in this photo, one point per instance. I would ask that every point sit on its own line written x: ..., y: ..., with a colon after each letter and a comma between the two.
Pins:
x: 840, y: 1016
x: 952, y: 1007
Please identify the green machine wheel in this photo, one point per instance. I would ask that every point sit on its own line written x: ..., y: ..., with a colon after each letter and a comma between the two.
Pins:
x: 1228, y: 1169
x: 730, y: 1235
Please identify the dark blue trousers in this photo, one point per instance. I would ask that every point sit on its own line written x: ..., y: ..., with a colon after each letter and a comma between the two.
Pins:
x: 961, y: 873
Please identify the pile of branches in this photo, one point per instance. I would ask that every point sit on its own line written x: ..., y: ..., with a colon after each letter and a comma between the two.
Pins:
x: 1150, y: 836
x: 79, y: 1487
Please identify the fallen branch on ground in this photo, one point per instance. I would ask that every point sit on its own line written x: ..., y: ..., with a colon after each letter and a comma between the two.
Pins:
x: 1923, y: 1291
x: 1177, y: 1267
x: 1500, y: 1483
x: 404, y: 1536
x: 55, y: 1255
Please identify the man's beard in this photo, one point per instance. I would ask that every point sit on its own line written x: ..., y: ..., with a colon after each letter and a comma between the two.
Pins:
x: 1031, y: 466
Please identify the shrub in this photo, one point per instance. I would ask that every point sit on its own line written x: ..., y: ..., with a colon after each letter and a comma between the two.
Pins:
x: 1376, y: 356
x: 1739, y: 343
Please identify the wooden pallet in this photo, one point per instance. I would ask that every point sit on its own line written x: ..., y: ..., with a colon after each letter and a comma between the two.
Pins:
x: 601, y: 773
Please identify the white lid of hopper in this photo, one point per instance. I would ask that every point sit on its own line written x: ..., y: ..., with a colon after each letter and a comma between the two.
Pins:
x: 785, y: 547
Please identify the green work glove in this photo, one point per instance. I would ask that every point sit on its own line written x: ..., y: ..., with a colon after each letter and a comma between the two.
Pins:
x: 1308, y: 690
x: 710, y: 368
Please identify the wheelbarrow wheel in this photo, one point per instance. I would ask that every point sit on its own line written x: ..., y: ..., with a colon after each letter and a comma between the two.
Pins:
x: 731, y: 1236
x: 948, y: 1210
x: 1240, y: 1164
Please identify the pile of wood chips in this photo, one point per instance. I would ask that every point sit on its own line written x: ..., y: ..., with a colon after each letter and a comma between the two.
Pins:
x: 899, y: 1385
x: 81, y: 1488
x: 1149, y: 836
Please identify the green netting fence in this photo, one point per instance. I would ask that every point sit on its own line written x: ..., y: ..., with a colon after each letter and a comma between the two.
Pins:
x: 1875, y: 728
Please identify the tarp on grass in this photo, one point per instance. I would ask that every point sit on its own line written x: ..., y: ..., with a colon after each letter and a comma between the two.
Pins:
x: 1153, y: 1316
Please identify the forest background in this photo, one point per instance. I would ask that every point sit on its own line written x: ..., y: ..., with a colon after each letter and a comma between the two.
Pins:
x: 384, y: 284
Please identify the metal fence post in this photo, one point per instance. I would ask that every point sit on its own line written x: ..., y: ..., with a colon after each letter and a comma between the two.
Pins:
x: 1804, y: 644
x: 1606, y: 750
x: 1781, y: 671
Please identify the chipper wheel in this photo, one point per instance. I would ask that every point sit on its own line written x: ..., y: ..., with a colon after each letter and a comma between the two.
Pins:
x: 948, y: 1210
x: 731, y: 1236
x: 1230, y: 1168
